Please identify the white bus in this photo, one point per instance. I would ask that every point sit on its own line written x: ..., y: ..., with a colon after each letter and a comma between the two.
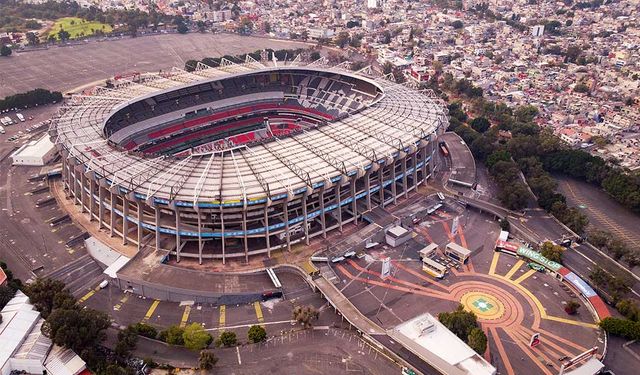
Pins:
x: 435, y: 208
x: 433, y: 268
x: 440, y: 196
x: 457, y: 252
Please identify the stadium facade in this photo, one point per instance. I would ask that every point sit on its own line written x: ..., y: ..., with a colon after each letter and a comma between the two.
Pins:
x: 243, y: 159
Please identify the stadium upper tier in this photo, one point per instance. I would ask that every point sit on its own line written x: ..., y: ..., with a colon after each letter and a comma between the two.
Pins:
x: 242, y: 134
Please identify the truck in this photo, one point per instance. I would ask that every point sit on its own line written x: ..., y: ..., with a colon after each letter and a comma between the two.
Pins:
x: 2, y: 129
x: 20, y: 117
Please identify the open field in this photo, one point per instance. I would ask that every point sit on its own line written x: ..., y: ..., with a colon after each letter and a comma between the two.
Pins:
x: 77, y: 27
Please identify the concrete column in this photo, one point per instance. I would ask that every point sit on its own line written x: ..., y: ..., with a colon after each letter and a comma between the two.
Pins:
x: 367, y: 187
x: 266, y: 231
x: 112, y: 215
x: 426, y: 167
x: 354, y: 206
x: 199, y: 236
x: 140, y: 218
x: 91, y: 201
x: 222, y: 228
x: 177, y: 213
x: 125, y: 221
x: 393, y: 183
x: 305, y: 220
x: 380, y: 183
x: 157, y: 221
x: 286, y: 222
x: 100, y: 207
x: 338, y: 199
x: 404, y: 176
x: 414, y: 159
x: 244, y: 236
x: 323, y: 220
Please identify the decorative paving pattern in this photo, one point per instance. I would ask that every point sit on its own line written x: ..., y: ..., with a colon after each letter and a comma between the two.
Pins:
x: 483, y: 304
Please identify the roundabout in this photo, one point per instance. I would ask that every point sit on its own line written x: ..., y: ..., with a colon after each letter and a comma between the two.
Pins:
x: 486, y: 306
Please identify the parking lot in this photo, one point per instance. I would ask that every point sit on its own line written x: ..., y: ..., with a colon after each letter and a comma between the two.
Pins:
x: 67, y: 67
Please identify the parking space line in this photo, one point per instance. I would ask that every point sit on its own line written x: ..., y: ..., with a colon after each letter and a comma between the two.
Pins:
x: 151, y: 310
x: 185, y: 316
x: 223, y: 312
x: 569, y: 321
x: 525, y: 276
x: 513, y: 269
x: 494, y: 263
x: 123, y: 300
x: 258, y: 308
x: 88, y: 295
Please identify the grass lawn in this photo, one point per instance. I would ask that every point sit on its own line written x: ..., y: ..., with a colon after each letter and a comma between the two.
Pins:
x: 78, y: 27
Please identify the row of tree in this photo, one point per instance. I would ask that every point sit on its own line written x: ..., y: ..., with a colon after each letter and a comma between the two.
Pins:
x: 611, y: 244
x: 31, y: 98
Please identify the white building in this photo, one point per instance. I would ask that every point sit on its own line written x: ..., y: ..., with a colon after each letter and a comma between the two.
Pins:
x: 36, y: 153
x: 372, y: 4
x: 397, y: 235
x: 23, y: 346
x: 432, y: 342
x: 537, y: 30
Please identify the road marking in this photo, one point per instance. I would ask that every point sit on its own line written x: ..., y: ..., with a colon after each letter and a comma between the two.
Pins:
x: 88, y: 295
x: 151, y: 310
x: 122, y: 302
x: 256, y: 305
x: 223, y: 311
x: 501, y: 351
x: 569, y: 321
x: 185, y: 316
x: 291, y: 322
x: 494, y: 263
x: 525, y: 276
x: 238, y: 351
x: 513, y: 269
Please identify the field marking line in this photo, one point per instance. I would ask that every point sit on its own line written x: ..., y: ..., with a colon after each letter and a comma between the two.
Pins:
x: 494, y: 263
x: 525, y: 276
x: 151, y: 310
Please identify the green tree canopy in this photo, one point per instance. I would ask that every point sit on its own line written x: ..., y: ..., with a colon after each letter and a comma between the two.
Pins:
x: 227, y: 338
x: 256, y: 333
x: 49, y: 294
x: 76, y: 329
x: 477, y: 340
x: 195, y: 337
x: 5, y: 51
x: 480, y: 124
x: 207, y: 360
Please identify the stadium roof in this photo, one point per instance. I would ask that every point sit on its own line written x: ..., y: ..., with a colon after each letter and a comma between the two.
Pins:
x: 388, y: 127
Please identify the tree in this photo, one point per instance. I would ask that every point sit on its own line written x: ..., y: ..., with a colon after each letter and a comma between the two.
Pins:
x: 571, y: 307
x: 315, y: 55
x: 477, y: 340
x: 459, y: 321
x: 76, y: 329
x: 127, y: 340
x: 173, y: 335
x: 552, y: 252
x: 227, y: 338
x: 63, y: 35
x: 621, y: 327
x: 305, y: 315
x: 5, y: 51
x: 201, y: 26
x: 581, y: 88
x: 207, y: 360
x: 629, y: 308
x: 6, y: 294
x: 504, y: 224
x: 342, y: 39
x: 480, y: 124
x: 195, y: 337
x: 257, y: 334
x: 49, y: 294
x: 32, y: 38
x: 387, y: 68
x: 146, y: 330
x: 457, y: 24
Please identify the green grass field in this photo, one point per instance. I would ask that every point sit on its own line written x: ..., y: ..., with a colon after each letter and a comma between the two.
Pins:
x: 77, y: 27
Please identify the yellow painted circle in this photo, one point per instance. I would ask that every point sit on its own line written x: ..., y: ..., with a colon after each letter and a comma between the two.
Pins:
x: 484, y: 305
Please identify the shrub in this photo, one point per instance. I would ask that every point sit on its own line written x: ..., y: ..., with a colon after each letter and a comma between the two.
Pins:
x: 146, y: 330
x: 571, y: 307
x: 227, y: 338
x: 173, y: 335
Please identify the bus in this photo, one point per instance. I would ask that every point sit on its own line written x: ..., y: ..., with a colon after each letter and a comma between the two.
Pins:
x: 457, y: 252
x: 440, y: 196
x: 434, y: 208
x: 433, y: 268
x: 507, y: 248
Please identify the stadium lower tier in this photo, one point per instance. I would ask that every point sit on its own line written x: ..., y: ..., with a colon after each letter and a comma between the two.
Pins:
x: 221, y: 231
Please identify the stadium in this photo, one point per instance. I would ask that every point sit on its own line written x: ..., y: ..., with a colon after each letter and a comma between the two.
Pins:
x: 243, y: 159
